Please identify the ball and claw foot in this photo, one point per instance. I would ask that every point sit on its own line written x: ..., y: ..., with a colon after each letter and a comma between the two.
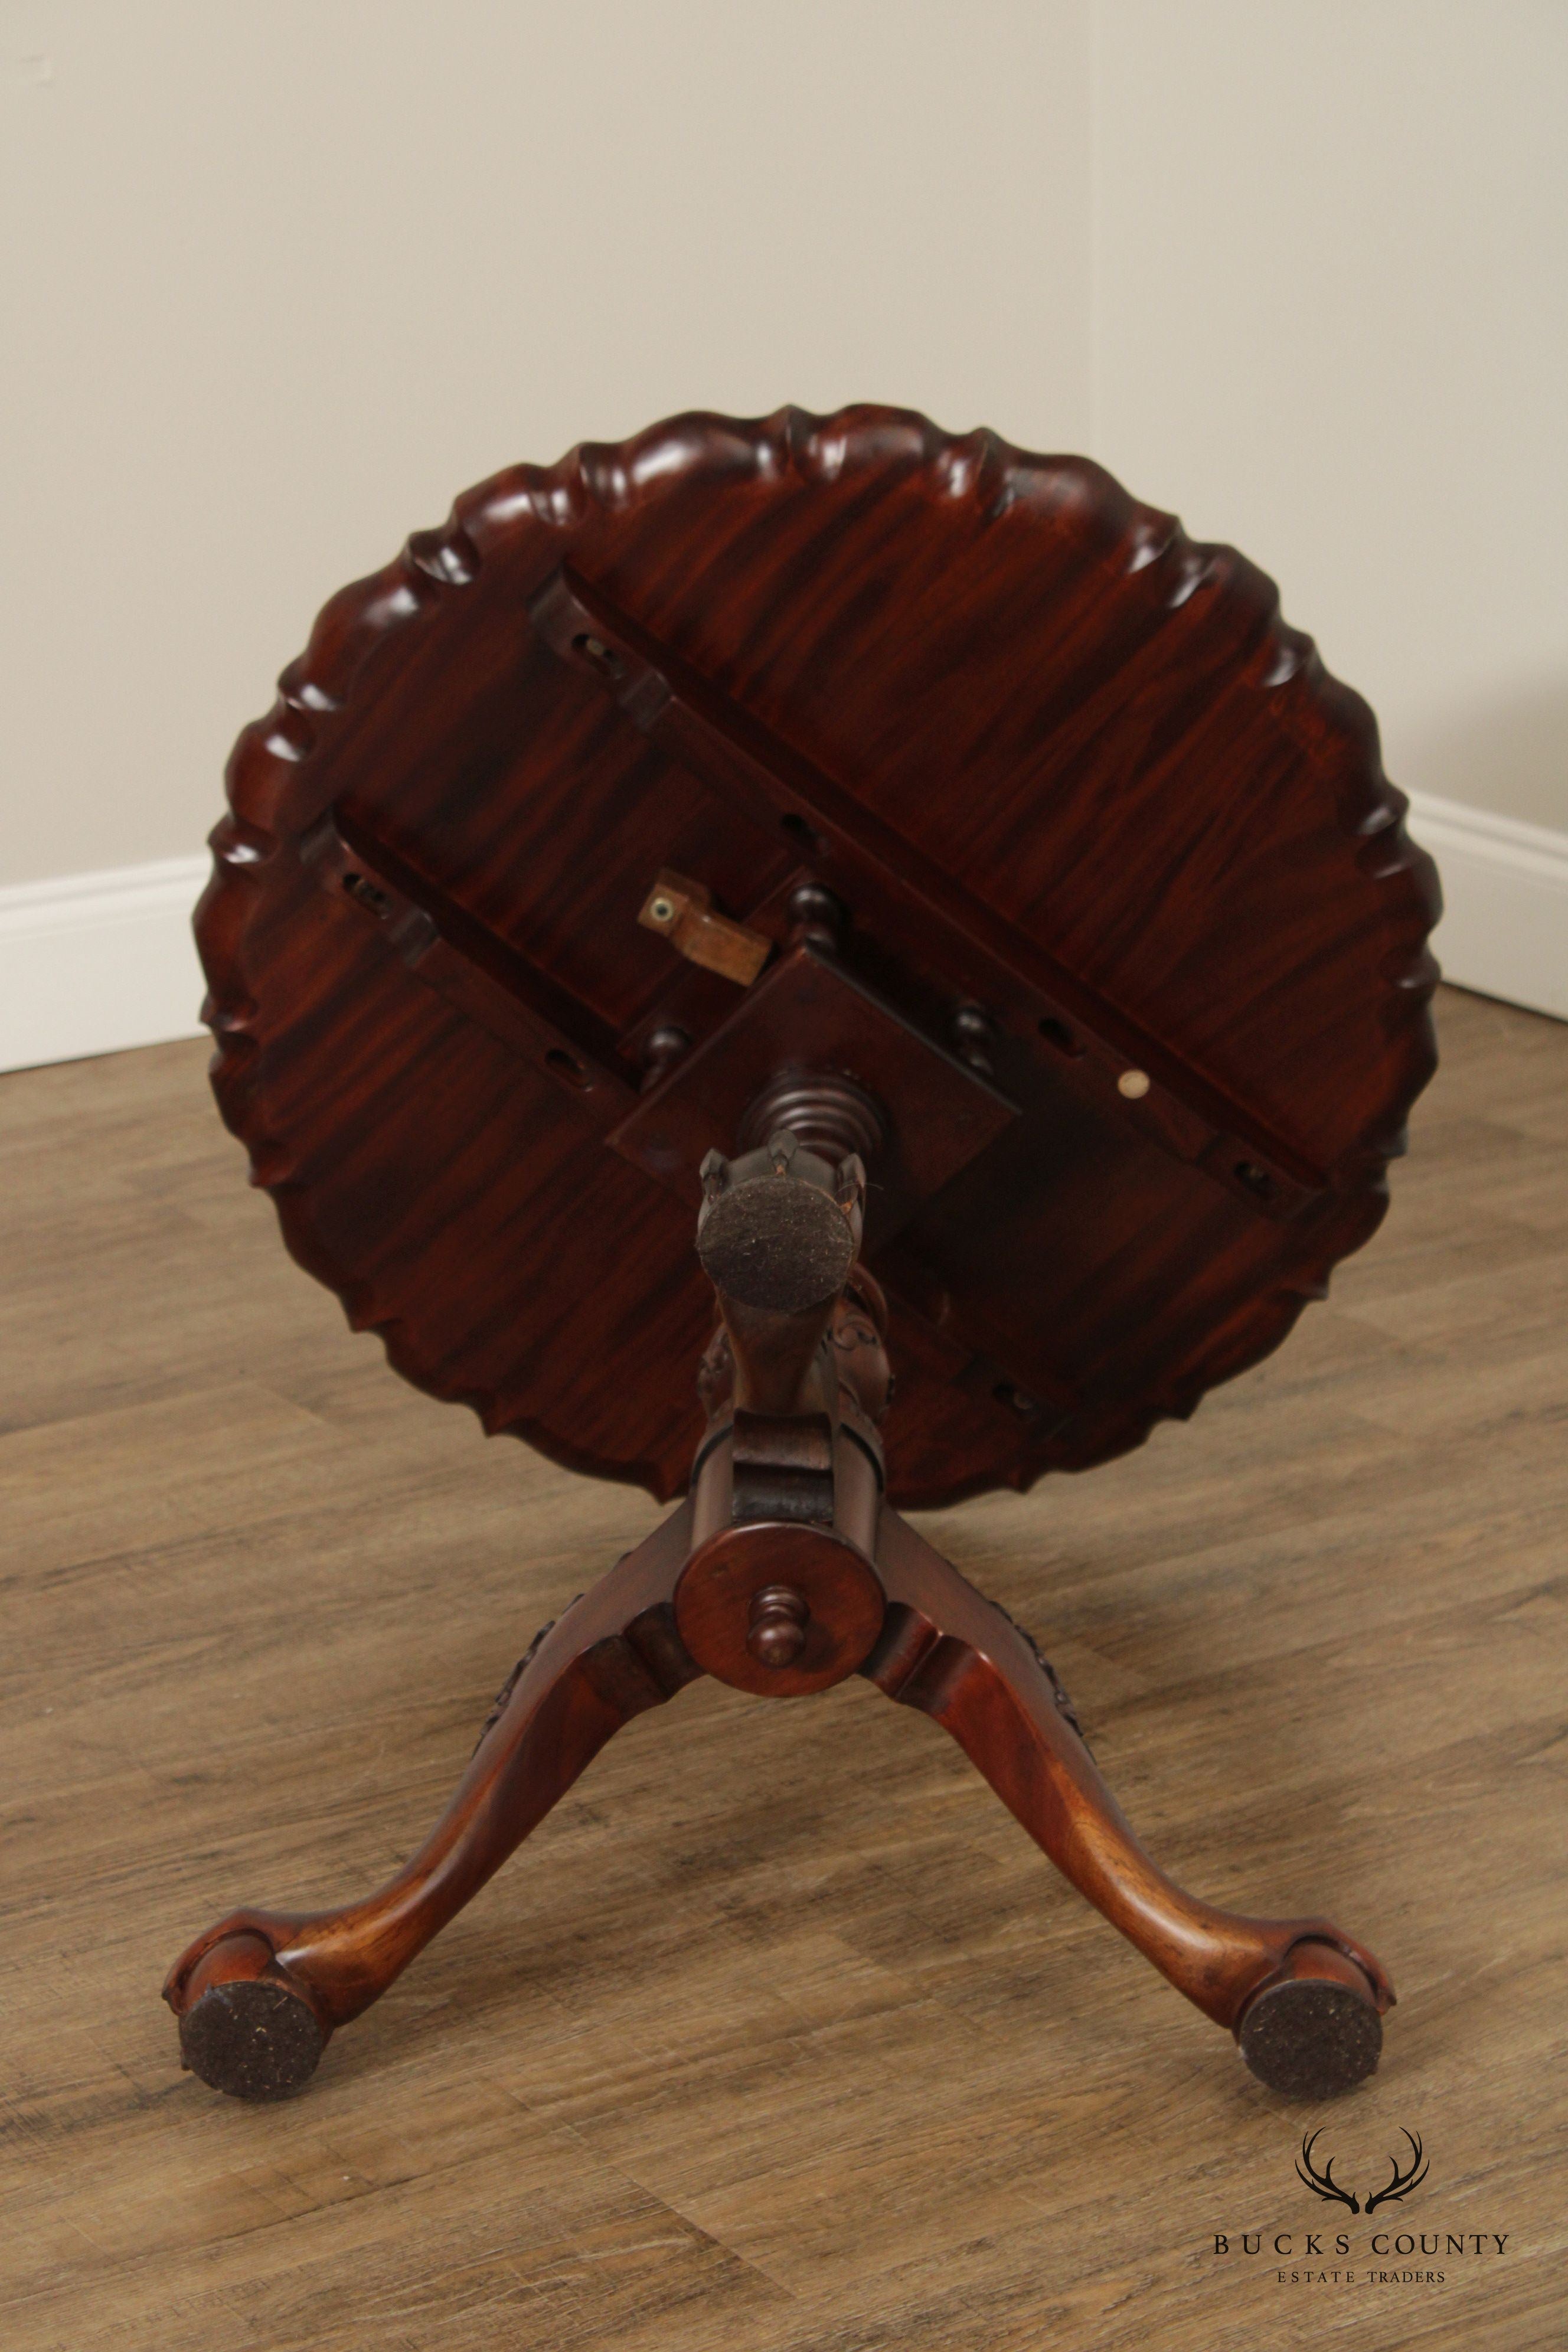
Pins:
x: 244, y: 2028
x: 1316, y: 2030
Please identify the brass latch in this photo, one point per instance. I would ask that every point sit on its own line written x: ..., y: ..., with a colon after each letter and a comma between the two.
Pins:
x: 683, y: 912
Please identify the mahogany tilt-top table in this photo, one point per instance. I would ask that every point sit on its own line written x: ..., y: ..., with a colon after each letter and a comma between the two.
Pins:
x: 914, y: 871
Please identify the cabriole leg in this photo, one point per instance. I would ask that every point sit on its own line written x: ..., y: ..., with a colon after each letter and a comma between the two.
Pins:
x: 258, y: 1995
x: 1304, y: 2000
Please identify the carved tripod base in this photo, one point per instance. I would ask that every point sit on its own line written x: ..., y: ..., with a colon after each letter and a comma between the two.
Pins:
x: 259, y: 1994
x: 784, y: 1571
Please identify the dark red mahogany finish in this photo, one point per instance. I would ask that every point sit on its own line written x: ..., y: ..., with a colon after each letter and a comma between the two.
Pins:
x: 1007, y: 679
x: 1085, y: 915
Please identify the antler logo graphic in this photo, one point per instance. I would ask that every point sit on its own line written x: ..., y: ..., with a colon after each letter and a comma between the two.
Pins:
x: 1402, y: 2183
x: 1323, y: 2184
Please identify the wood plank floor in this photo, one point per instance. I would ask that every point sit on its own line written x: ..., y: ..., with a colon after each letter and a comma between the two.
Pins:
x: 779, y: 2034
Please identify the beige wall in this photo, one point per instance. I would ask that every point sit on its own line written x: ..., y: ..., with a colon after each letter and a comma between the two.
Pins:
x: 1330, y: 294
x: 291, y: 272
x: 281, y: 275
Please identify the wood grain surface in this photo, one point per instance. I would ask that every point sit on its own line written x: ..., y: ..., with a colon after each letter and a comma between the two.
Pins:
x: 1076, y: 785
x: 780, y: 2036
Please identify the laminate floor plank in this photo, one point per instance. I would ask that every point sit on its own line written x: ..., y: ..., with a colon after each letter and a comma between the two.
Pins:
x: 779, y: 2035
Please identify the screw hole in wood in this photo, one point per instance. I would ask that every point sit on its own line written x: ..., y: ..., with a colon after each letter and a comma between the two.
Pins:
x: 1018, y: 1400
x: 367, y: 894
x: 566, y: 1066
x: 593, y: 649
x: 798, y: 830
x: 1056, y: 1033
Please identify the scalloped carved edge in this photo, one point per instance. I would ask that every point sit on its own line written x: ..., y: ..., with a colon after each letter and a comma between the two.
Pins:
x: 267, y: 779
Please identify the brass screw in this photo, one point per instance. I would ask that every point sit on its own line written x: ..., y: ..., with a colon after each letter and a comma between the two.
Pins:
x: 1133, y: 1083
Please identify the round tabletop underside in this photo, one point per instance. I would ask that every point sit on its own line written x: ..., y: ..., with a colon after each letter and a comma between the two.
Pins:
x: 1062, y: 768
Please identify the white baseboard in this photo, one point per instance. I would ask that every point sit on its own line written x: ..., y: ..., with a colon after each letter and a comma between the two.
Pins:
x: 1504, y: 930
x: 90, y: 963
